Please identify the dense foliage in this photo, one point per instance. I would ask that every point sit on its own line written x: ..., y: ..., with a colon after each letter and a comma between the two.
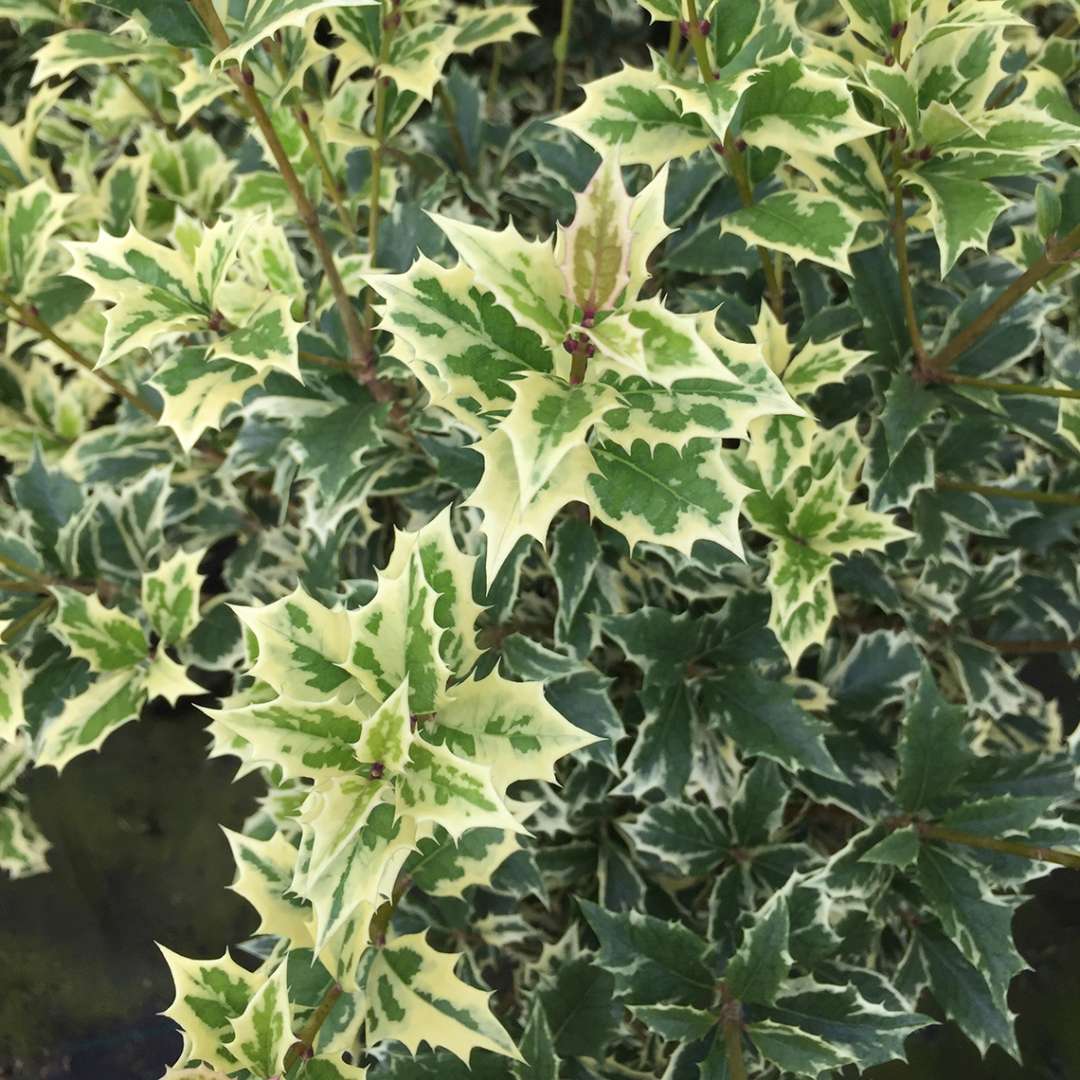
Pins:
x: 613, y: 531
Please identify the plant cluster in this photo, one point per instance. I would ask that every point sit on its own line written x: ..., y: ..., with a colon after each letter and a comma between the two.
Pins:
x: 612, y: 533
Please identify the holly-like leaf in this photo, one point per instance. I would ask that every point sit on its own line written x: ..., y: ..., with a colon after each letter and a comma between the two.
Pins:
x: 508, y: 726
x: 596, y: 245
x: 801, y: 224
x: 157, y: 290
x: 934, y: 749
x: 654, y: 962
x: 962, y: 212
x: 87, y: 720
x: 302, y: 646
x: 635, y: 112
x: 415, y: 996
x: 978, y: 922
x: 263, y: 1031
x: 263, y: 18
x: 12, y: 716
x: 170, y: 595
x: 763, y: 718
x: 757, y: 970
x: 209, y: 995
x: 107, y: 639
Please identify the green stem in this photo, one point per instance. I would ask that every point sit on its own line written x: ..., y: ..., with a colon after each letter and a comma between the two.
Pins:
x: 23, y: 570
x: 151, y: 109
x: 305, y: 1041
x: 560, y: 49
x: 697, y: 41
x: 33, y: 322
x: 1006, y: 847
x: 731, y: 1025
x: 774, y: 288
x: 673, y: 42
x: 1058, y: 251
x: 899, y: 231
x: 15, y: 630
x: 348, y: 225
x: 21, y: 586
x: 359, y: 353
x: 1010, y: 387
x: 460, y: 152
x: 493, y: 78
x: 1058, y: 498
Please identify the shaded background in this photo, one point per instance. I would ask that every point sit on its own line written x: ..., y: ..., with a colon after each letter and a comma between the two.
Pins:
x: 138, y: 857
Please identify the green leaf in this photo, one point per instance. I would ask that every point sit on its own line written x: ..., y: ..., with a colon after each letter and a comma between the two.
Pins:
x: 30, y: 218
x: 793, y: 1050
x: 763, y: 718
x: 415, y: 996
x: 961, y: 990
x: 978, y: 922
x: 476, y: 27
x: 675, y: 1023
x: 654, y: 962
x: 537, y: 1048
x: 934, y: 750
x: 686, y: 836
x: 264, y: 872
x: 301, y: 646
x: 301, y: 738
x: 845, y: 1024
x: 800, y: 224
x: 12, y: 716
x: 508, y: 726
x: 178, y: 25
x: 69, y: 50
x: 757, y: 970
x: 464, y: 348
x: 196, y: 390
x: 661, y: 756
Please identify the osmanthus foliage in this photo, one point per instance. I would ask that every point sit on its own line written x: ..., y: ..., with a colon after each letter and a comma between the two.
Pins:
x: 407, y: 755
x: 612, y: 534
x: 581, y: 388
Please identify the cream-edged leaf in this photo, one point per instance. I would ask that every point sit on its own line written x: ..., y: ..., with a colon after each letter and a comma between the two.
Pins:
x: 263, y: 1031
x: 87, y: 720
x: 801, y: 224
x: 106, y: 638
x: 509, y: 726
x: 170, y: 595
x: 415, y: 996
x: 635, y: 112
x: 209, y: 994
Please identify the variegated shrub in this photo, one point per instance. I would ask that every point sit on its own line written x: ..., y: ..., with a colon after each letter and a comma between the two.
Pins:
x: 613, y: 534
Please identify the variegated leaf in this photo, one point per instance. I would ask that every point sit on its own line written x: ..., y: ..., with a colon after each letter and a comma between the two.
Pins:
x: 170, y: 595
x: 801, y: 224
x: 107, y: 639
x: 635, y: 112
x: 595, y: 247
x: 87, y: 720
x: 262, y: 1033
x: 415, y: 996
